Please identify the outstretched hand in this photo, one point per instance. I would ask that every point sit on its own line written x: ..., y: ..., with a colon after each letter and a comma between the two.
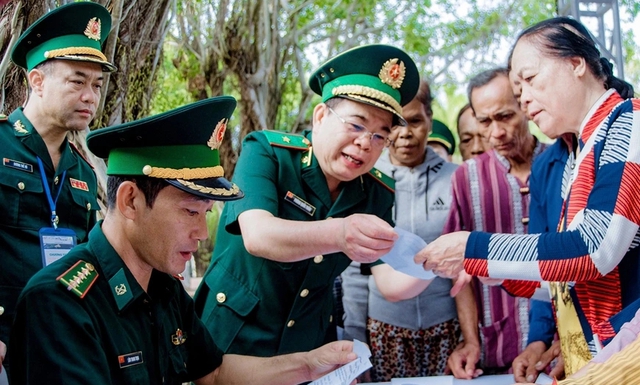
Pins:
x: 445, y: 255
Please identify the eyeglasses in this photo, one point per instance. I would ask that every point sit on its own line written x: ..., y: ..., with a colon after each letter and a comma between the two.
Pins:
x: 377, y: 141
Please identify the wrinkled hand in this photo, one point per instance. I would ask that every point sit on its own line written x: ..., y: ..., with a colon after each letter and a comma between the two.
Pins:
x: 462, y: 362
x: 548, y: 356
x: 534, y: 359
x: 329, y: 357
x: 445, y: 255
x: 366, y: 237
x: 525, y: 365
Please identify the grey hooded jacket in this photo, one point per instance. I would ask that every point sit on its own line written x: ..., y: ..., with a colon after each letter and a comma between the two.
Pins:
x: 423, y: 197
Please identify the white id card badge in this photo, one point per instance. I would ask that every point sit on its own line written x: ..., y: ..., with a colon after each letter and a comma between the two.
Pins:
x: 55, y: 243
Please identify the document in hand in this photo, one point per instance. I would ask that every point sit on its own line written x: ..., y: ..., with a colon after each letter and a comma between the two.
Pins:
x: 344, y: 375
x: 400, y: 257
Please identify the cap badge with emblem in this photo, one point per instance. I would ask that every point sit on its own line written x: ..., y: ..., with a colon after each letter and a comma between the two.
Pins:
x: 218, y: 134
x: 392, y: 73
x: 93, y: 29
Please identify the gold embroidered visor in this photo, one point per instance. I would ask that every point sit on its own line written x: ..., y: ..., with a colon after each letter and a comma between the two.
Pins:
x: 179, y: 146
x: 380, y: 75
x: 75, y: 31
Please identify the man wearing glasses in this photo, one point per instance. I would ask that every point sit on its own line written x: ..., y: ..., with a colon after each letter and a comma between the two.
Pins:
x: 316, y: 204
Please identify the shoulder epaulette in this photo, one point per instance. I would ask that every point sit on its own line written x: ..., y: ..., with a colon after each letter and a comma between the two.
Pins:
x: 388, y: 182
x: 77, y: 150
x: 3, y: 118
x: 79, y: 278
x: 287, y: 140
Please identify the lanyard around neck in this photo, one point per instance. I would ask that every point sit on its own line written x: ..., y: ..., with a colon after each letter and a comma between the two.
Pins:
x: 52, y: 201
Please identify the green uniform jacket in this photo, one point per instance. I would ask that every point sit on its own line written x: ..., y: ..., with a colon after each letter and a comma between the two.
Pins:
x: 25, y: 209
x: 252, y: 305
x: 116, y: 334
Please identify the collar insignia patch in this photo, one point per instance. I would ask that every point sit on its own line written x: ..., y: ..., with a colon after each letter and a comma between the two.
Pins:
x: 19, y: 127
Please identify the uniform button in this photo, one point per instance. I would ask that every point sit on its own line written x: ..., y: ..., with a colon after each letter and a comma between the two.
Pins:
x: 1, y: 310
x: 89, y: 206
x: 56, y: 180
x: 221, y: 297
x: 21, y: 185
x: 318, y: 258
x: 291, y: 323
x: 525, y: 221
x: 304, y: 293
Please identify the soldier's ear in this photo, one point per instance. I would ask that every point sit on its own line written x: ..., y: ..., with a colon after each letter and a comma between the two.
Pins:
x: 35, y: 77
x: 129, y: 199
x: 320, y: 112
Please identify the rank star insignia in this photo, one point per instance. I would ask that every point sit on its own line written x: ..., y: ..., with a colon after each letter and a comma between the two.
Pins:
x: 286, y: 139
x: 179, y: 338
x: 218, y: 134
x: 93, y: 29
x: 79, y: 278
x: 392, y: 73
x: 378, y: 173
x: 19, y: 127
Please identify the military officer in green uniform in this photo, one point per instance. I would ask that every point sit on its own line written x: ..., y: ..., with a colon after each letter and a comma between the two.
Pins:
x: 314, y: 203
x: 113, y: 310
x: 47, y: 189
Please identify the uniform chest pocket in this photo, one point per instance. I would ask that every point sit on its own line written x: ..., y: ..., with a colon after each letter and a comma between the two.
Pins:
x: 79, y: 213
x: 178, y: 357
x: 137, y: 374
x: 227, y: 306
x: 23, y: 199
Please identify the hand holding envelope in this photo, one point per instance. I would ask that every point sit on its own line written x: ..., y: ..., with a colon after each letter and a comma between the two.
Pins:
x: 401, y: 255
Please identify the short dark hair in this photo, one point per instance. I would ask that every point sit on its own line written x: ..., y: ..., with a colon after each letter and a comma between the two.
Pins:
x: 333, y: 102
x: 483, y: 78
x: 150, y: 187
x: 564, y: 37
x: 425, y: 97
x: 46, y: 66
x: 462, y: 111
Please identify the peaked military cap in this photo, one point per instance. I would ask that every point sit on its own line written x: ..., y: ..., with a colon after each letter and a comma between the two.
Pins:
x: 442, y: 134
x: 179, y: 146
x: 74, y: 31
x: 379, y: 75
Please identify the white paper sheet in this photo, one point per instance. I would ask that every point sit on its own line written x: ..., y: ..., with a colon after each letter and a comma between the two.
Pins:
x: 401, y: 255
x: 349, y: 372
